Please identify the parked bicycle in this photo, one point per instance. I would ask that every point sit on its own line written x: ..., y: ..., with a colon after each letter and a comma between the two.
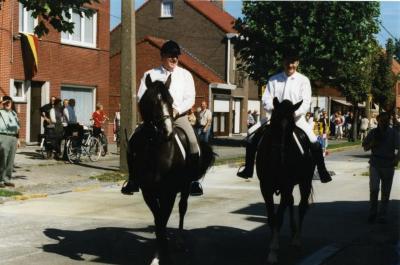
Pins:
x: 86, y: 145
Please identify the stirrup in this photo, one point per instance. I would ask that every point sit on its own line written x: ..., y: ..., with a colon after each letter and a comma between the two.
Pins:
x: 196, y: 189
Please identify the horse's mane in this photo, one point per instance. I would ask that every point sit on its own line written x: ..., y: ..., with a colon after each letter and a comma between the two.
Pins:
x: 150, y: 98
x: 284, y: 110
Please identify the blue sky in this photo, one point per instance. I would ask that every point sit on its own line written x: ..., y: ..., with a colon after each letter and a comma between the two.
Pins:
x: 390, y: 15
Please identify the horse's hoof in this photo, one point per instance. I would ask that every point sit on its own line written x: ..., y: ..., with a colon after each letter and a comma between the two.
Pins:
x: 155, y: 261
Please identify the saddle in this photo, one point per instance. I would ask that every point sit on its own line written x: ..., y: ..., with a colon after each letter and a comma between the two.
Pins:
x: 299, y: 137
x: 146, y: 135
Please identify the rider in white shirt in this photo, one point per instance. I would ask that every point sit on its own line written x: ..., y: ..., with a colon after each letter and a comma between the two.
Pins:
x: 183, y: 93
x: 293, y: 86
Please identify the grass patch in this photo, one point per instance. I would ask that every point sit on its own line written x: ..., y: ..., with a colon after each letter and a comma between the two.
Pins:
x: 366, y: 173
x: 110, y: 177
x: 8, y: 193
x: 232, y: 160
x: 345, y: 144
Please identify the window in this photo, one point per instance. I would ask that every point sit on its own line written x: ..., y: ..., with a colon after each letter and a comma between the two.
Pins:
x: 167, y: 8
x: 85, y: 30
x: 17, y: 90
x: 27, y: 23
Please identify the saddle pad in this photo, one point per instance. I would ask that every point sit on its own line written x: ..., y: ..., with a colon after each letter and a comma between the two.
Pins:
x: 179, y: 142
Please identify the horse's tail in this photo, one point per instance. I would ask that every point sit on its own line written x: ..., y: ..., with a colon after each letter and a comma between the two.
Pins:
x: 207, y: 158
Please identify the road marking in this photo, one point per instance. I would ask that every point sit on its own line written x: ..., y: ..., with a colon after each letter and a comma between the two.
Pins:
x: 318, y: 257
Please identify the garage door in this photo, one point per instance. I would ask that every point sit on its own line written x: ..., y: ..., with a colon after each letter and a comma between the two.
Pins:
x: 84, y: 98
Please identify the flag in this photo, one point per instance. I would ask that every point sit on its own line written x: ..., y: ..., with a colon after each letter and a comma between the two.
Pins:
x: 29, y: 46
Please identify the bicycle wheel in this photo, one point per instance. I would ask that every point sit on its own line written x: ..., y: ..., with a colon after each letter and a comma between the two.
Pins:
x: 94, y: 149
x: 73, y: 150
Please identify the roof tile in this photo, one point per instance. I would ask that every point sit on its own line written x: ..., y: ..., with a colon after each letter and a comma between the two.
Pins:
x: 189, y: 62
x: 219, y: 17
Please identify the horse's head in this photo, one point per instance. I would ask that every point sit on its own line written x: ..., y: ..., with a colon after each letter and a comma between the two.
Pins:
x: 156, y: 106
x: 282, y: 117
x: 282, y: 125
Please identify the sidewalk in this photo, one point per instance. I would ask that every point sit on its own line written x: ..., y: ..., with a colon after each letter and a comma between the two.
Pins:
x: 35, y: 175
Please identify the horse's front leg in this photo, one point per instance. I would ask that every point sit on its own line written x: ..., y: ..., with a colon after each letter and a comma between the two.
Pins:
x: 154, y: 207
x: 183, y: 205
x: 293, y: 225
x: 305, y: 191
x: 166, y: 202
x: 268, y: 195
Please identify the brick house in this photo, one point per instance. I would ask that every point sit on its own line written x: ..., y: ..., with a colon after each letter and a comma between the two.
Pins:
x: 69, y: 65
x: 396, y: 71
x: 205, y: 31
x: 148, y: 57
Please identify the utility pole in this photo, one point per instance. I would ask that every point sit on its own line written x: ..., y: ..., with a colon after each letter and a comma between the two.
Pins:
x: 128, y: 77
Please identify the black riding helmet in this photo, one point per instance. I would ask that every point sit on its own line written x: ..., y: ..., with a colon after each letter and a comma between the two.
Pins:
x: 170, y: 48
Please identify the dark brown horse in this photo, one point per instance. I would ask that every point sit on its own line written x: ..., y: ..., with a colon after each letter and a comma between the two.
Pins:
x: 160, y: 166
x: 281, y: 166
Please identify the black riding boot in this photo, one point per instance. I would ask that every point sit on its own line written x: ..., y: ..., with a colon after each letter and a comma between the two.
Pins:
x: 316, y: 151
x: 193, y: 165
x: 131, y: 186
x: 248, y: 170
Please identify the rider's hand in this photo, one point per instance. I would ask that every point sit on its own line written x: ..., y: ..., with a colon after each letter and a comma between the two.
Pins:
x: 175, y: 113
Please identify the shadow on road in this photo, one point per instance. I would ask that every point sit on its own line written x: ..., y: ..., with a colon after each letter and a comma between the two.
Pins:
x: 32, y: 155
x: 96, y: 167
x: 109, y: 245
x: 342, y: 223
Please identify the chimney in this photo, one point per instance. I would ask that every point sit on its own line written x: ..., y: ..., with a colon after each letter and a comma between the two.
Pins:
x: 219, y: 3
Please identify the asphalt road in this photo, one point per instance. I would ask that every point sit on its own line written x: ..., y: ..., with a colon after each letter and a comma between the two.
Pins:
x: 225, y: 226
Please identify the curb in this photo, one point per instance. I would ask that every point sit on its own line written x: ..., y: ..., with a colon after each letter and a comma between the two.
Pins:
x: 25, y: 197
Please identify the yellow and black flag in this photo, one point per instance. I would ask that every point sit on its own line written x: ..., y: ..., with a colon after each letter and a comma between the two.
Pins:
x: 29, y: 46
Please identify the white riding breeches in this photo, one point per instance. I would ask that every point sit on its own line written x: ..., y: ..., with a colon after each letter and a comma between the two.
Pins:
x: 307, y: 128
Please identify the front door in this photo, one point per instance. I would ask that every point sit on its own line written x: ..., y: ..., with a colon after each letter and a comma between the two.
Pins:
x: 220, y: 123
x: 35, y: 120
x: 221, y: 117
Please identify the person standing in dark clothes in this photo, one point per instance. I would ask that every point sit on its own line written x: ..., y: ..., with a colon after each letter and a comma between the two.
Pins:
x: 45, y: 112
x: 382, y: 141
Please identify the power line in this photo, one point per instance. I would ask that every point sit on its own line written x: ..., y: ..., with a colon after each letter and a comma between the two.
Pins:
x: 387, y: 31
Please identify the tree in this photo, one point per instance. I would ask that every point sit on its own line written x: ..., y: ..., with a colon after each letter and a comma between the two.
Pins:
x: 56, y: 13
x: 383, y: 77
x: 328, y: 36
x: 335, y: 41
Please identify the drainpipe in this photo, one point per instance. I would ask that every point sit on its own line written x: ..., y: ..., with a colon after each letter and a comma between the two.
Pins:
x: 12, y: 31
x: 229, y: 36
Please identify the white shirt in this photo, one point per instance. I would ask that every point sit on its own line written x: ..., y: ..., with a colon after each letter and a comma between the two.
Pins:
x: 181, y: 89
x: 295, y: 88
x: 205, y: 117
